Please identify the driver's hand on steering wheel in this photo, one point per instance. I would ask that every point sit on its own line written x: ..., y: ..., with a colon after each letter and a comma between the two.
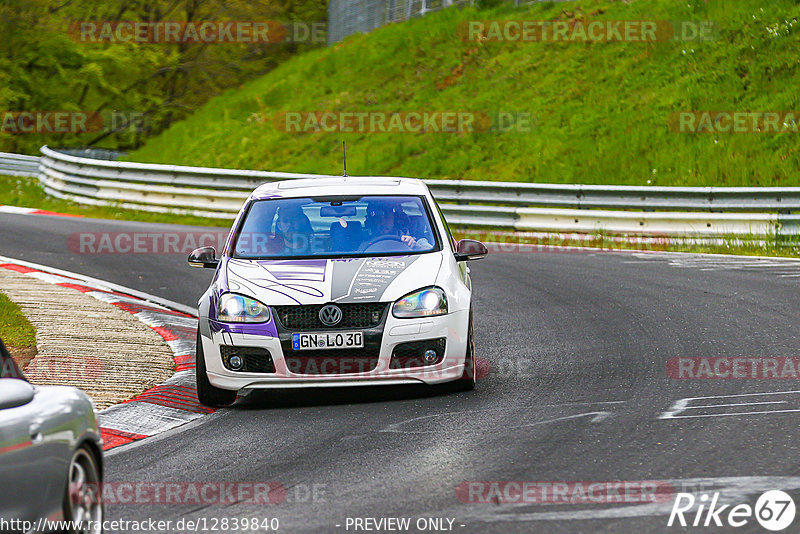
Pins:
x: 408, y: 240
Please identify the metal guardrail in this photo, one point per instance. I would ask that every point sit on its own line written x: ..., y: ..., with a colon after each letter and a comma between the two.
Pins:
x: 346, y: 17
x: 769, y: 199
x: 674, y: 211
x: 18, y: 165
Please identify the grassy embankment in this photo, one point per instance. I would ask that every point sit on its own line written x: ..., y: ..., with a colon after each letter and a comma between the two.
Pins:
x: 17, y: 333
x: 599, y: 111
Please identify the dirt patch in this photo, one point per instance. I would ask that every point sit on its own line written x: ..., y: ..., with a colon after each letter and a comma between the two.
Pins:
x: 22, y: 355
x: 87, y: 343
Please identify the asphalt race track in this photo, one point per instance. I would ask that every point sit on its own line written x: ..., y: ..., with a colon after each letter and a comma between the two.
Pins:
x: 578, y: 390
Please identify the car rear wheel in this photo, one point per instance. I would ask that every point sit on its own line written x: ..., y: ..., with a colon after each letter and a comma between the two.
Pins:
x: 83, y: 498
x: 468, y: 377
x: 206, y: 393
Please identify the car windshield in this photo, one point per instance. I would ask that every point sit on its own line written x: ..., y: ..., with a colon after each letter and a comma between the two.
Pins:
x: 336, y: 226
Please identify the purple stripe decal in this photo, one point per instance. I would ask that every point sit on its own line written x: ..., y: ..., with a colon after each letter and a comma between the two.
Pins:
x: 253, y: 329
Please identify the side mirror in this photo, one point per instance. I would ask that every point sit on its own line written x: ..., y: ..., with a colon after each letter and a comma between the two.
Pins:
x: 469, y: 249
x: 204, y: 257
x: 15, y: 393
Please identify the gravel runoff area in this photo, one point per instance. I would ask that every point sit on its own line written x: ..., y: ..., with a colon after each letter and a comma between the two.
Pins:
x: 84, y: 342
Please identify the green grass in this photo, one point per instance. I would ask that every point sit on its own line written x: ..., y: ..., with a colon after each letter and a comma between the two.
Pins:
x: 600, y: 109
x: 15, y: 329
x: 28, y: 193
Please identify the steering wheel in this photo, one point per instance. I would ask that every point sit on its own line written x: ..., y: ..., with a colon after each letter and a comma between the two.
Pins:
x: 381, y: 238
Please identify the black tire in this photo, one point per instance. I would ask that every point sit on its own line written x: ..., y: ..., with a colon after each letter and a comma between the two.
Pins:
x: 469, y: 376
x: 206, y: 393
x: 83, y: 496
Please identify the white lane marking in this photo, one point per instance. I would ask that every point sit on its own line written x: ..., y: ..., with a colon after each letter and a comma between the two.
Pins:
x: 584, y: 403
x: 682, y: 405
x: 694, y: 260
x: 729, y: 414
x: 395, y: 427
x: 598, y: 417
x: 709, y: 256
x: 735, y: 404
x: 775, y: 266
x: 746, y: 394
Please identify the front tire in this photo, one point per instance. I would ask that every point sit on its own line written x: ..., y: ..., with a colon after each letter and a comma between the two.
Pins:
x: 469, y: 376
x: 83, y: 497
x: 206, y: 393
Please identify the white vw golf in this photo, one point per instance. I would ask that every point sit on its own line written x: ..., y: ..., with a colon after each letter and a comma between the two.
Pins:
x: 336, y: 282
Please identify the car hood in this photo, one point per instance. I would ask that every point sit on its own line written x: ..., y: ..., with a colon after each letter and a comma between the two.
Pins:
x: 317, y: 281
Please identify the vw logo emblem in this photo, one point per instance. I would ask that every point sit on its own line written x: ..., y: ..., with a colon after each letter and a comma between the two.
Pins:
x: 330, y: 315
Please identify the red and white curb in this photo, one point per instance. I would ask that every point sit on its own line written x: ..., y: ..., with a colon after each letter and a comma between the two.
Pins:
x: 163, y: 407
x: 32, y: 211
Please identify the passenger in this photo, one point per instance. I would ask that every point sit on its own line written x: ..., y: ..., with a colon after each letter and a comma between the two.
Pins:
x: 293, y: 228
x: 385, y: 219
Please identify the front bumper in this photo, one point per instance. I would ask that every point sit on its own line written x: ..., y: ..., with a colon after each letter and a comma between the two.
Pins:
x: 453, y: 326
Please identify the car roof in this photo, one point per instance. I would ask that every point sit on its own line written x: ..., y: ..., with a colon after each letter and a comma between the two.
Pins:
x: 340, y: 185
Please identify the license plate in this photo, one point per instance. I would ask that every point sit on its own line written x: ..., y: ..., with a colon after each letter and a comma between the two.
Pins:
x: 328, y: 340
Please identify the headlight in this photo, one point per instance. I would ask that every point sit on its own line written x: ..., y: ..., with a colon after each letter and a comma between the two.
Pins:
x: 422, y: 303
x: 233, y: 308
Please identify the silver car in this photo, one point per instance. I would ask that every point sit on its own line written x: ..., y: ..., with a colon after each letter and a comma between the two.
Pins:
x: 51, y: 463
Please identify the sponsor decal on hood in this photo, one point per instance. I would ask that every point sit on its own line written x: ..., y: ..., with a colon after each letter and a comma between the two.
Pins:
x: 316, y: 281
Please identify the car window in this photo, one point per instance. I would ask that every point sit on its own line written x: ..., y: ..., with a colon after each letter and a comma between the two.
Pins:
x: 336, y: 226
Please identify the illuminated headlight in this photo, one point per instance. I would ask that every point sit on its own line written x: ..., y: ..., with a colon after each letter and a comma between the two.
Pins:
x: 422, y: 303
x: 233, y: 308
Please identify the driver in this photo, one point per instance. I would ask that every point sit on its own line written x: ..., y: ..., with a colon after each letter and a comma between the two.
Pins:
x: 293, y: 229
x: 385, y: 219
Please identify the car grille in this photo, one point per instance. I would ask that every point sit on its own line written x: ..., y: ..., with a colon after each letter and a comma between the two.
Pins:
x: 410, y: 355
x: 362, y: 315
x: 331, y: 362
x: 256, y: 360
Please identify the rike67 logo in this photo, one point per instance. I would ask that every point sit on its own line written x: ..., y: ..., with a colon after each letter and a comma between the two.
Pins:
x: 774, y: 510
